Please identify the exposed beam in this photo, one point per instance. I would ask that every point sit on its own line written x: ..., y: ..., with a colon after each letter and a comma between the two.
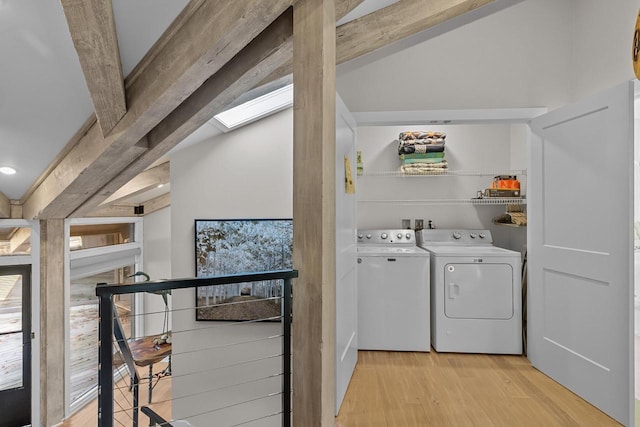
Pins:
x: 93, y: 31
x: 396, y: 22
x: 264, y: 54
x: 5, y: 206
x: 269, y: 51
x: 213, y: 35
x: 157, y: 203
x: 314, y: 228
x: 19, y: 238
x: 16, y: 209
x: 125, y: 210
x: 389, y: 25
x: 52, y: 339
x: 145, y: 181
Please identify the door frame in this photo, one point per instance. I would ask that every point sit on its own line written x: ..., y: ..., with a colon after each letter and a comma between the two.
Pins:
x: 34, y: 260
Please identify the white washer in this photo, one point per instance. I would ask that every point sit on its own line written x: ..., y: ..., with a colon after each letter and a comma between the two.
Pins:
x: 393, y: 292
x: 475, y: 293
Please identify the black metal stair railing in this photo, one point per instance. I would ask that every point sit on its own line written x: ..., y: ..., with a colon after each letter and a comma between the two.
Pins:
x: 108, y: 327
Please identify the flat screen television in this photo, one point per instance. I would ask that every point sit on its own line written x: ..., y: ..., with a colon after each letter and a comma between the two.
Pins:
x: 233, y: 246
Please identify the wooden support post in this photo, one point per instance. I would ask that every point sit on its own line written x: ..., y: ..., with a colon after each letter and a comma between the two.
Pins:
x: 5, y: 206
x: 314, y: 174
x: 51, y: 321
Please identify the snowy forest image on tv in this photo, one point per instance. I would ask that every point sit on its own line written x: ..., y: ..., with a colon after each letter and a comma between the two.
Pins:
x: 241, y: 246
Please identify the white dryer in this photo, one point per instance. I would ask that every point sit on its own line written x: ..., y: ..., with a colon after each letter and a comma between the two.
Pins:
x: 476, y: 304
x: 393, y: 292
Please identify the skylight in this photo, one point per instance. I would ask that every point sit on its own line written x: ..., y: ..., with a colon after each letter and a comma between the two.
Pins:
x: 255, y: 109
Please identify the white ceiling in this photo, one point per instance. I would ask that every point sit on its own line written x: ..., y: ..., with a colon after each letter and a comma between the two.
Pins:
x: 43, y: 95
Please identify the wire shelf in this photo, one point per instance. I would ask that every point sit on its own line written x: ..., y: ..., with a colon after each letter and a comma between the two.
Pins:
x: 483, y: 201
x: 447, y: 172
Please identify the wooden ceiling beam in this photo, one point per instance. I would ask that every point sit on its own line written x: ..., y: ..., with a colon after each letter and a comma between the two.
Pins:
x: 145, y: 181
x: 128, y: 209
x: 266, y: 53
x: 389, y: 25
x: 20, y: 240
x: 5, y: 206
x: 93, y: 31
x: 396, y: 22
x: 210, y: 38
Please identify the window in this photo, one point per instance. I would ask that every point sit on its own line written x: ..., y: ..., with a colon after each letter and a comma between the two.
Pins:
x: 87, y: 236
x: 100, y: 250
x: 15, y: 241
x: 83, y: 334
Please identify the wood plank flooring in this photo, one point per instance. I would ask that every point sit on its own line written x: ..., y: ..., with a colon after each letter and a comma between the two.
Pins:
x: 393, y: 389
x: 404, y: 389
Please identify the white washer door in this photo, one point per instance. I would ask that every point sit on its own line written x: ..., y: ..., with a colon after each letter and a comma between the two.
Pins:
x: 478, y: 291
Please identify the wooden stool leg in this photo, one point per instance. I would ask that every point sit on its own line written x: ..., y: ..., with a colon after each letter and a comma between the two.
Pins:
x: 150, y: 380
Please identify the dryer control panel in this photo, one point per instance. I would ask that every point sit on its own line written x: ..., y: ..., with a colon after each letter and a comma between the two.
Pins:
x: 455, y: 237
x: 383, y: 237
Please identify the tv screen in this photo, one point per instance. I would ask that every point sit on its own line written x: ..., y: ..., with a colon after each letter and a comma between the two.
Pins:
x: 232, y: 246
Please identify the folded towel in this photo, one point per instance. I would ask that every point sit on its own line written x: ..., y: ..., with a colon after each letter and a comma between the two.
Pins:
x: 408, y: 136
x: 424, y: 161
x: 410, y: 148
x: 432, y: 155
x: 424, y: 168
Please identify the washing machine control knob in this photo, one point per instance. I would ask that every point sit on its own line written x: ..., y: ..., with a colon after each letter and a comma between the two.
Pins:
x: 368, y: 236
x: 456, y: 235
x: 360, y: 235
x: 399, y: 235
x: 383, y: 236
x: 473, y: 235
x: 482, y: 235
x: 408, y: 236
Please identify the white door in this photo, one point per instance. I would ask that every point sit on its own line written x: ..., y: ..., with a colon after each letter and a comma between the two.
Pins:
x: 346, y: 279
x: 580, y: 208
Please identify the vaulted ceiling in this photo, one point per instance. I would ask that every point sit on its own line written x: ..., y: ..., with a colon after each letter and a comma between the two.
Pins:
x: 154, y: 72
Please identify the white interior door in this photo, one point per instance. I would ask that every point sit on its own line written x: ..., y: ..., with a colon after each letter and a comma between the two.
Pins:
x: 346, y: 278
x: 580, y: 208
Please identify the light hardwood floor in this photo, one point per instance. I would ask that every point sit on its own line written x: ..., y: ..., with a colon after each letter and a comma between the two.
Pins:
x: 391, y: 389
x: 404, y: 389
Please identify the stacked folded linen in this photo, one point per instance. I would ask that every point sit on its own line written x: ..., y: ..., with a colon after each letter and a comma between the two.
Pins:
x: 422, y: 152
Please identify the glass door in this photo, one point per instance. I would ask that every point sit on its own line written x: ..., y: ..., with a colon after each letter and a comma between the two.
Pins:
x: 15, y: 345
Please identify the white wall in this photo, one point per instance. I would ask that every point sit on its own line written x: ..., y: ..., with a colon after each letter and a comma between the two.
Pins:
x: 243, y: 174
x: 601, y: 47
x: 518, y: 57
x: 476, y: 148
x: 157, y: 264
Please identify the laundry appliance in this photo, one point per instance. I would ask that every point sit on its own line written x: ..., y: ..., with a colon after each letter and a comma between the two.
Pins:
x: 393, y: 291
x: 476, y: 304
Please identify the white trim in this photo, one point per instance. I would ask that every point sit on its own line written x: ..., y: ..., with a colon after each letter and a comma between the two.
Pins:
x: 35, y: 322
x: 92, y: 221
x: 15, y: 260
x: 446, y: 117
x: 67, y: 320
x: 103, y: 250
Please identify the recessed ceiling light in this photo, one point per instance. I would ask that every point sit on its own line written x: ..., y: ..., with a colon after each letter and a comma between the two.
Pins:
x: 7, y: 170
